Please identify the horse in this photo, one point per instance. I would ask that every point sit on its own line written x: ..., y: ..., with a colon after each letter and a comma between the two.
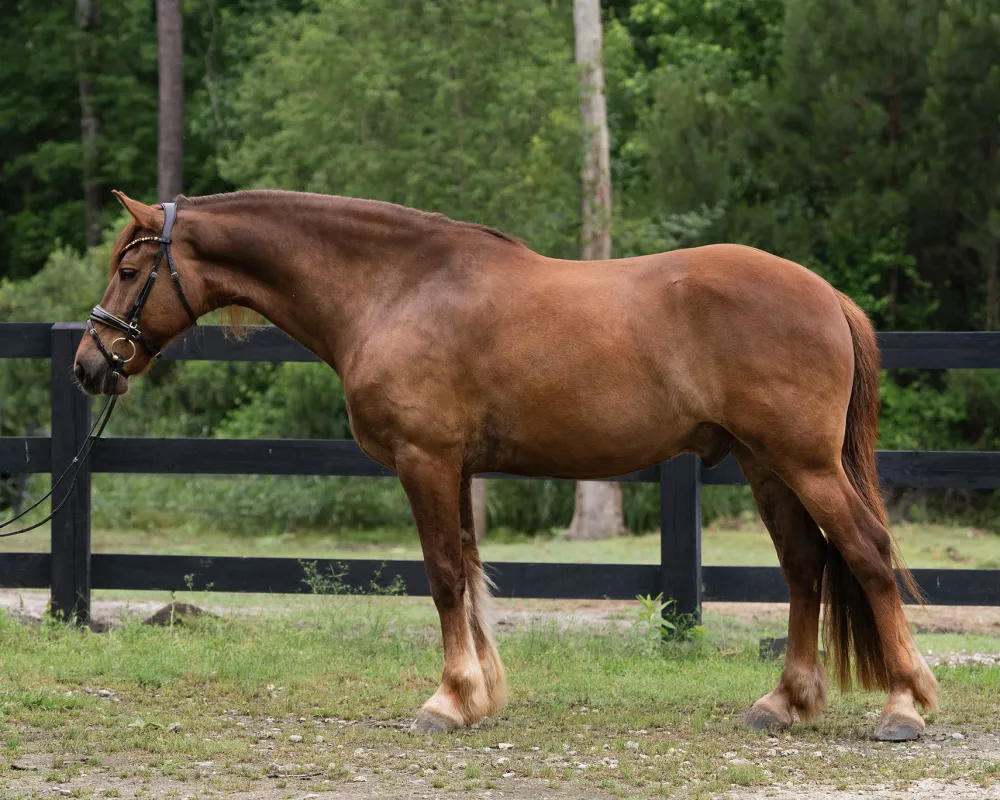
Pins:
x: 461, y: 350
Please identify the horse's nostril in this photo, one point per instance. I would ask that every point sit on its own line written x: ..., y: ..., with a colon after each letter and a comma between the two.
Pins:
x: 78, y: 371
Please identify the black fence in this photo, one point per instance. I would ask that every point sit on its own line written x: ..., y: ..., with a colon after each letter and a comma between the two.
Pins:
x: 72, y: 571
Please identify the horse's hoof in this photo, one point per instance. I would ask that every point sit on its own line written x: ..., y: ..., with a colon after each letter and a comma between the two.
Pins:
x: 763, y: 719
x: 897, y: 729
x: 432, y: 722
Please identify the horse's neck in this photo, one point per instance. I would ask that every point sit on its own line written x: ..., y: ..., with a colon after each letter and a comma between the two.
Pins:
x: 318, y: 272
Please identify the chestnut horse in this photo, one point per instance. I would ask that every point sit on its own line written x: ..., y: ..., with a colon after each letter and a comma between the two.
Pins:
x: 462, y: 351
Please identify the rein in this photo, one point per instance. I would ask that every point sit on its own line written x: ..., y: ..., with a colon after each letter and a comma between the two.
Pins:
x: 75, y: 465
x: 129, y: 326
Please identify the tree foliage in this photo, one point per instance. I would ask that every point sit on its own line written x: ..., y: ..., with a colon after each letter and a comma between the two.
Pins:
x: 466, y: 107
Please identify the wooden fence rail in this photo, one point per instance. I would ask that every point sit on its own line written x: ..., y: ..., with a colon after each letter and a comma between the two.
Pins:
x: 71, y: 571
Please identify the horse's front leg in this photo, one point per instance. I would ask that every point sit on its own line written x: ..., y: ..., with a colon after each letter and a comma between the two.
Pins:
x: 467, y: 693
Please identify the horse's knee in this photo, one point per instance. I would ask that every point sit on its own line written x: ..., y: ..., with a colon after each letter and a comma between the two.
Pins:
x: 447, y: 584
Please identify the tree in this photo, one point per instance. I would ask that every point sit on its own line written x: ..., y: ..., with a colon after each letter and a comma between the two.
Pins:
x: 467, y: 108
x: 88, y: 20
x: 598, y: 510
x: 479, y: 508
x: 170, y: 151
x: 961, y: 111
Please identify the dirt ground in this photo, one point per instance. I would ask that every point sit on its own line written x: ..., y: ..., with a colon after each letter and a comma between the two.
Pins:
x: 919, y: 790
x: 376, y: 787
x: 386, y: 776
x: 927, y: 619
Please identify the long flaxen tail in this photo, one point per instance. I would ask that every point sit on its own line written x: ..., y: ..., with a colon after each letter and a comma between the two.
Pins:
x: 849, y: 627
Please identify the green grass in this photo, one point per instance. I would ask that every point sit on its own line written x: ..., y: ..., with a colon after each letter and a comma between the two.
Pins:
x: 351, y: 670
x: 741, y: 543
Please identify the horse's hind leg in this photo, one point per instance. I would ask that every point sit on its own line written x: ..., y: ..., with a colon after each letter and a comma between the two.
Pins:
x: 802, y: 554
x: 876, y: 616
x: 468, y: 691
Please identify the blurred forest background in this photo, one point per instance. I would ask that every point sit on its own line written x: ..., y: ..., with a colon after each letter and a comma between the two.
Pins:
x: 857, y: 138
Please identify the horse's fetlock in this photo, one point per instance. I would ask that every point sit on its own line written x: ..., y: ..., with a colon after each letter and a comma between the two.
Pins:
x: 806, y: 688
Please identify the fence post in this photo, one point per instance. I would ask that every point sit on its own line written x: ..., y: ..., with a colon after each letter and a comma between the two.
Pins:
x: 680, y: 533
x: 71, y: 525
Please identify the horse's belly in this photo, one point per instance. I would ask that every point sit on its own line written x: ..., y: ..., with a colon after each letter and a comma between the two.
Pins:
x: 590, y: 441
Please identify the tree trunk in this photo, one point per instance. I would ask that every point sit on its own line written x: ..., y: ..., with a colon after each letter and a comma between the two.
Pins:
x: 598, y: 510
x: 479, y: 508
x: 88, y: 21
x: 170, y: 152
x: 992, y: 304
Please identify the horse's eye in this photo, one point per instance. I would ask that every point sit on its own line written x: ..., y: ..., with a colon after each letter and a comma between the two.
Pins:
x: 127, y: 273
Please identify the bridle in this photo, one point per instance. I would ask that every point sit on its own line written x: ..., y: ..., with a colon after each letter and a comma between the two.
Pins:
x: 129, y: 326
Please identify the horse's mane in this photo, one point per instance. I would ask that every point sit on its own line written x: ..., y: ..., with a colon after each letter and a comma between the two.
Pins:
x: 250, y: 195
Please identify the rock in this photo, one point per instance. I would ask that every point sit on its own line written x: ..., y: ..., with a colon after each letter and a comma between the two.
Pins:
x: 509, y: 774
x: 360, y: 779
x: 459, y: 765
x: 505, y: 746
x: 295, y: 738
x: 204, y: 763
x: 630, y: 745
x: 176, y: 613
x: 502, y: 760
x: 957, y: 735
x: 105, y: 693
x: 174, y: 727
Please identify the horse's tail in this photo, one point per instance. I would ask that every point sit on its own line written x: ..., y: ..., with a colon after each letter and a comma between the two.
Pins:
x: 849, y: 624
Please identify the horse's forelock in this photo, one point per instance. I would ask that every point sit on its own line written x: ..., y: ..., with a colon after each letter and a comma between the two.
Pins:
x: 124, y: 237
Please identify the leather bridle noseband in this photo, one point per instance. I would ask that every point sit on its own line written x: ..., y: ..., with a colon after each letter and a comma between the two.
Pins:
x: 129, y: 326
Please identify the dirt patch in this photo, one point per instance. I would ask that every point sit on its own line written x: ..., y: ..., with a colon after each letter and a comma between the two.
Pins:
x: 387, y: 771
x: 917, y: 790
x: 924, y: 619
x: 382, y: 786
x: 30, y: 605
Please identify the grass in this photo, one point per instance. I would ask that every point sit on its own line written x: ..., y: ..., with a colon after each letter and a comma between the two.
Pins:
x: 740, y: 543
x: 213, y: 706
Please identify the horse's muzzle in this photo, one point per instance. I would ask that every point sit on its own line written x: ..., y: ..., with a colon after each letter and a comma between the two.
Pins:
x: 95, y: 376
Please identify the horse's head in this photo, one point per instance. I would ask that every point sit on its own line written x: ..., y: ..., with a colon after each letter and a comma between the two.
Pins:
x: 147, y: 303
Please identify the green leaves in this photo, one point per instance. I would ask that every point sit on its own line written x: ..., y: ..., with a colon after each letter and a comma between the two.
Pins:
x: 467, y: 108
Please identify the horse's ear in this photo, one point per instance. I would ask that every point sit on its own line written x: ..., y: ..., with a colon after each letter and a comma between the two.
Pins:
x: 146, y: 216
